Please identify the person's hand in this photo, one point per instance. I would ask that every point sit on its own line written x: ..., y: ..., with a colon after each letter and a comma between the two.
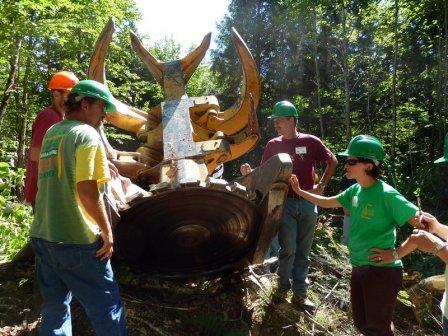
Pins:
x: 430, y: 222
x: 381, y: 256
x: 106, y: 251
x: 245, y: 169
x: 294, y: 181
x: 425, y: 241
x: 417, y: 221
x: 113, y: 170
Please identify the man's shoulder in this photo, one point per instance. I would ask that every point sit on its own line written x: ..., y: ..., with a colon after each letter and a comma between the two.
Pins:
x: 75, y: 128
x: 48, y: 109
x: 386, y: 191
x: 309, y: 137
x: 45, y: 119
x: 301, y: 138
x: 48, y: 113
x: 276, y: 140
x: 84, y: 130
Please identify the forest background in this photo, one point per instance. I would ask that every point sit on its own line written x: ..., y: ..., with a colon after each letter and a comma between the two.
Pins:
x: 350, y: 67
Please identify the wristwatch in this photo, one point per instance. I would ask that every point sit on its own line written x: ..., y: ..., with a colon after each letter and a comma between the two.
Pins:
x: 438, y: 246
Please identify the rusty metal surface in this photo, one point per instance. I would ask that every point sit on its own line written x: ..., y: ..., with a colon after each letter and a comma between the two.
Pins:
x: 188, y: 232
x: 177, y: 134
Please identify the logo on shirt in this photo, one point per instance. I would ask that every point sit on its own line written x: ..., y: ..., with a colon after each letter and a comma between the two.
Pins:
x: 367, y: 211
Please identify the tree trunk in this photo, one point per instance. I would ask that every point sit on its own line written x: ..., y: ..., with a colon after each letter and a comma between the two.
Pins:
x: 437, y: 117
x: 23, y: 120
x: 348, y: 129
x: 394, y: 88
x: 444, y: 77
x: 369, y: 121
x: 316, y: 67
x: 11, y: 81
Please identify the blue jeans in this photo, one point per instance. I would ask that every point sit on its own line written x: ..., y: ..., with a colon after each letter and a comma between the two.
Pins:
x: 296, y: 237
x: 66, y: 270
x: 445, y: 326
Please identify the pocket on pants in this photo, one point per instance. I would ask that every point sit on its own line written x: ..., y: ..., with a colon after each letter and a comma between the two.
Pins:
x: 66, y: 257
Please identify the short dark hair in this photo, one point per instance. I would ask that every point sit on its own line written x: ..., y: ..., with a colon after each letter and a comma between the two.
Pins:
x: 375, y: 172
x: 295, y: 119
x: 74, y: 105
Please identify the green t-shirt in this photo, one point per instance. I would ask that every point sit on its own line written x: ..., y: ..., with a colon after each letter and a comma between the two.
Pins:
x: 71, y: 152
x: 375, y: 212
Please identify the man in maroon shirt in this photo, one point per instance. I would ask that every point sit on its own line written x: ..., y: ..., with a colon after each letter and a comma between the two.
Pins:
x: 60, y: 85
x: 299, y: 216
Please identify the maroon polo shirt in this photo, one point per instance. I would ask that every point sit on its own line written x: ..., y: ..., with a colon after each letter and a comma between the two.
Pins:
x: 305, y: 151
x: 44, y: 120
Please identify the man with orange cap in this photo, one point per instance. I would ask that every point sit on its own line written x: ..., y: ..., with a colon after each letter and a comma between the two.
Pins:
x: 60, y: 85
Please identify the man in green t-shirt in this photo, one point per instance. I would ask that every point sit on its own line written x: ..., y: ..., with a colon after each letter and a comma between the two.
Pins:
x: 71, y: 234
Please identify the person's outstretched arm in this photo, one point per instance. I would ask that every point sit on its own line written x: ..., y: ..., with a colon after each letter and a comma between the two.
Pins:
x: 322, y: 201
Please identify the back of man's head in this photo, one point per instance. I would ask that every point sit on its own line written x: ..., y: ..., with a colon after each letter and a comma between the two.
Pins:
x: 63, y: 81
x: 90, y: 90
x: 74, y: 101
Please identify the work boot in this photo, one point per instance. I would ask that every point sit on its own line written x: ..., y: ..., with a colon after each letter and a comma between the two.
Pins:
x: 303, y: 303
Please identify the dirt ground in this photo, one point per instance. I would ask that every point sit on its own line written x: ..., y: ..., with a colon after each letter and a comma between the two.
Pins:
x: 240, y: 303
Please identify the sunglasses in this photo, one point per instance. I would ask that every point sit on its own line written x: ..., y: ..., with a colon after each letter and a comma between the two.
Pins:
x: 351, y: 162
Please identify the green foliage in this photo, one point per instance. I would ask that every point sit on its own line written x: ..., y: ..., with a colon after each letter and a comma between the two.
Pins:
x: 46, y: 29
x: 350, y: 48
x: 10, y: 179
x: 15, y: 217
x: 7, y: 151
x: 404, y: 298
x: 202, y: 82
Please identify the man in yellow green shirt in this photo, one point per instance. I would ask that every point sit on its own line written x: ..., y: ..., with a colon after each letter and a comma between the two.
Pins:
x: 71, y: 234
